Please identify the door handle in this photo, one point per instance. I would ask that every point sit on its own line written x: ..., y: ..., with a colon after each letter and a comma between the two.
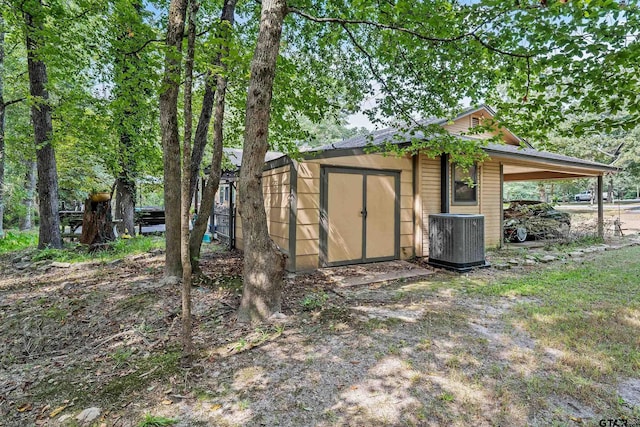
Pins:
x: 363, y: 213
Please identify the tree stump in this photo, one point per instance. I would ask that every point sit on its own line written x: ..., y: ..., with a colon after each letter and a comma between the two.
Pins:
x: 97, y: 223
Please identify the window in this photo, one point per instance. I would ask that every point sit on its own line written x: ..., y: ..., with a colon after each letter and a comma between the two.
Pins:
x: 465, y: 186
x: 475, y: 121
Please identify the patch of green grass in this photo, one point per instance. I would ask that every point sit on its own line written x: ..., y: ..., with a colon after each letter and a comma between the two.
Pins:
x: 18, y: 240
x: 156, y: 421
x: 588, y: 314
x: 314, y: 301
x: 115, y: 250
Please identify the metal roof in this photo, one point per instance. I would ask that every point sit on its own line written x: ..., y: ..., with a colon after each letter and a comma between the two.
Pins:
x: 235, y: 156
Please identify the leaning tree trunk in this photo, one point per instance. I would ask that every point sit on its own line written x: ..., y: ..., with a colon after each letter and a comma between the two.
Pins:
x: 171, y: 137
x: 263, y: 261
x: 26, y: 223
x: 49, y: 235
x: 213, y: 182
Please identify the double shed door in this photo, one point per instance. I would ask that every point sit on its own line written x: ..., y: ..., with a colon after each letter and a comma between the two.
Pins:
x: 360, y: 216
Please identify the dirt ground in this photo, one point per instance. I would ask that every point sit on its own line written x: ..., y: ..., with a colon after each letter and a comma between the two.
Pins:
x: 101, y: 341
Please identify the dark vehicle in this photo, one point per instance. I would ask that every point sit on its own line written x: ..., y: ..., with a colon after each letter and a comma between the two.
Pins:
x: 531, y: 219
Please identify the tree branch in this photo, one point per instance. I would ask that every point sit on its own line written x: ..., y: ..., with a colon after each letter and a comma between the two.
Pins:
x: 377, y: 75
x: 13, y: 101
x: 344, y: 22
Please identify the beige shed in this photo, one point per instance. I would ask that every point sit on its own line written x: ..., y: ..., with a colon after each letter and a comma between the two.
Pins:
x: 341, y: 205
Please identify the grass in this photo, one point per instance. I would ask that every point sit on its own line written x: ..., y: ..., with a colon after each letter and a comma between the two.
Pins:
x: 27, y: 241
x: 588, y: 314
x: 18, y: 240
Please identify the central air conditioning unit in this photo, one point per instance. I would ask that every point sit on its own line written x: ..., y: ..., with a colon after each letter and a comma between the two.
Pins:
x: 456, y: 241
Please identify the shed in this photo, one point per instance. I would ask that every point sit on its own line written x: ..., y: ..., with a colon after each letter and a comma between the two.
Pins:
x: 342, y: 205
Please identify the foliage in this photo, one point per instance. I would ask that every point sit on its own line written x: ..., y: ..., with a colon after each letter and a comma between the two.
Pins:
x: 19, y: 241
x: 314, y: 301
x: 156, y: 421
x: 14, y: 241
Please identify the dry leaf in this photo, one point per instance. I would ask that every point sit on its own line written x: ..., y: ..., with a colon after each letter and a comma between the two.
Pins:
x: 216, y: 407
x: 167, y: 402
x: 25, y: 407
x: 57, y: 411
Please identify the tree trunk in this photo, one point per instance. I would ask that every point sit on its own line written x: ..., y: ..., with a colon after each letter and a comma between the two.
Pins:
x: 2, y: 125
x: 126, y: 203
x: 213, y: 182
x: 128, y: 115
x: 26, y: 223
x: 200, y: 139
x: 49, y: 235
x: 171, y: 138
x: 187, y: 343
x: 263, y: 261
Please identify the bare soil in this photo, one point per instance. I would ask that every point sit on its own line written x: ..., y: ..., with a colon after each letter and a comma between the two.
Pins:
x: 395, y: 353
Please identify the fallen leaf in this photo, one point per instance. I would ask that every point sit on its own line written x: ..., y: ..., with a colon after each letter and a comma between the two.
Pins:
x: 25, y: 407
x: 167, y: 402
x: 576, y: 420
x: 216, y: 407
x: 57, y: 411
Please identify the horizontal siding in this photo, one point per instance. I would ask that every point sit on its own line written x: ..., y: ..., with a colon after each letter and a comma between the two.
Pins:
x: 276, y: 190
x: 491, y: 204
x: 429, y: 171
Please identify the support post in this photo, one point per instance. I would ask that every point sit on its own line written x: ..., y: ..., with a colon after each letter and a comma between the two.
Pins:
x: 444, y: 183
x: 599, y: 189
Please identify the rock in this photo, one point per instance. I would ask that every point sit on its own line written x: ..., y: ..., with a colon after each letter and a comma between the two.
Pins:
x: 278, y: 316
x: 514, y: 262
x: 64, y: 418
x: 44, y: 267
x: 115, y: 262
x: 530, y: 262
x: 88, y: 415
x: 156, y: 252
x: 548, y: 258
x: 60, y: 264
x: 576, y: 254
x: 501, y: 266
x: 22, y: 265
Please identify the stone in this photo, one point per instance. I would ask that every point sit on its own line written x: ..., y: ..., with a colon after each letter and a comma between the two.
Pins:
x: 88, y: 415
x: 576, y: 254
x: 22, y: 265
x: 115, y: 262
x: 530, y: 262
x: 501, y: 266
x: 60, y: 264
x: 514, y: 262
x: 548, y: 258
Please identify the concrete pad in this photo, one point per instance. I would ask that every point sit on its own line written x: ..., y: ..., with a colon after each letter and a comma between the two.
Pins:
x: 366, y: 274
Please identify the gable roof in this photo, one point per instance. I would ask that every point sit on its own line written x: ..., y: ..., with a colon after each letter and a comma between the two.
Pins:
x: 396, y: 136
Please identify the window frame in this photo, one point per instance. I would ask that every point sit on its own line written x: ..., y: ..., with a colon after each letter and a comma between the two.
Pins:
x: 475, y: 168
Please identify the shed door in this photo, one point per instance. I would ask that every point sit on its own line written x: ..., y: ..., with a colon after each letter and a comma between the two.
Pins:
x: 361, y: 216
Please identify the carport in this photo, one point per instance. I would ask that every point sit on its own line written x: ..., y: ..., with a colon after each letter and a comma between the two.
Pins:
x: 527, y: 164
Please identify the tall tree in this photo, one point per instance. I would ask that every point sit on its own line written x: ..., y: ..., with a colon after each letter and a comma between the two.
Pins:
x: 171, y: 137
x: 213, y: 181
x: 2, y: 124
x: 263, y: 261
x: 49, y: 232
x: 132, y: 90
x: 187, y: 344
